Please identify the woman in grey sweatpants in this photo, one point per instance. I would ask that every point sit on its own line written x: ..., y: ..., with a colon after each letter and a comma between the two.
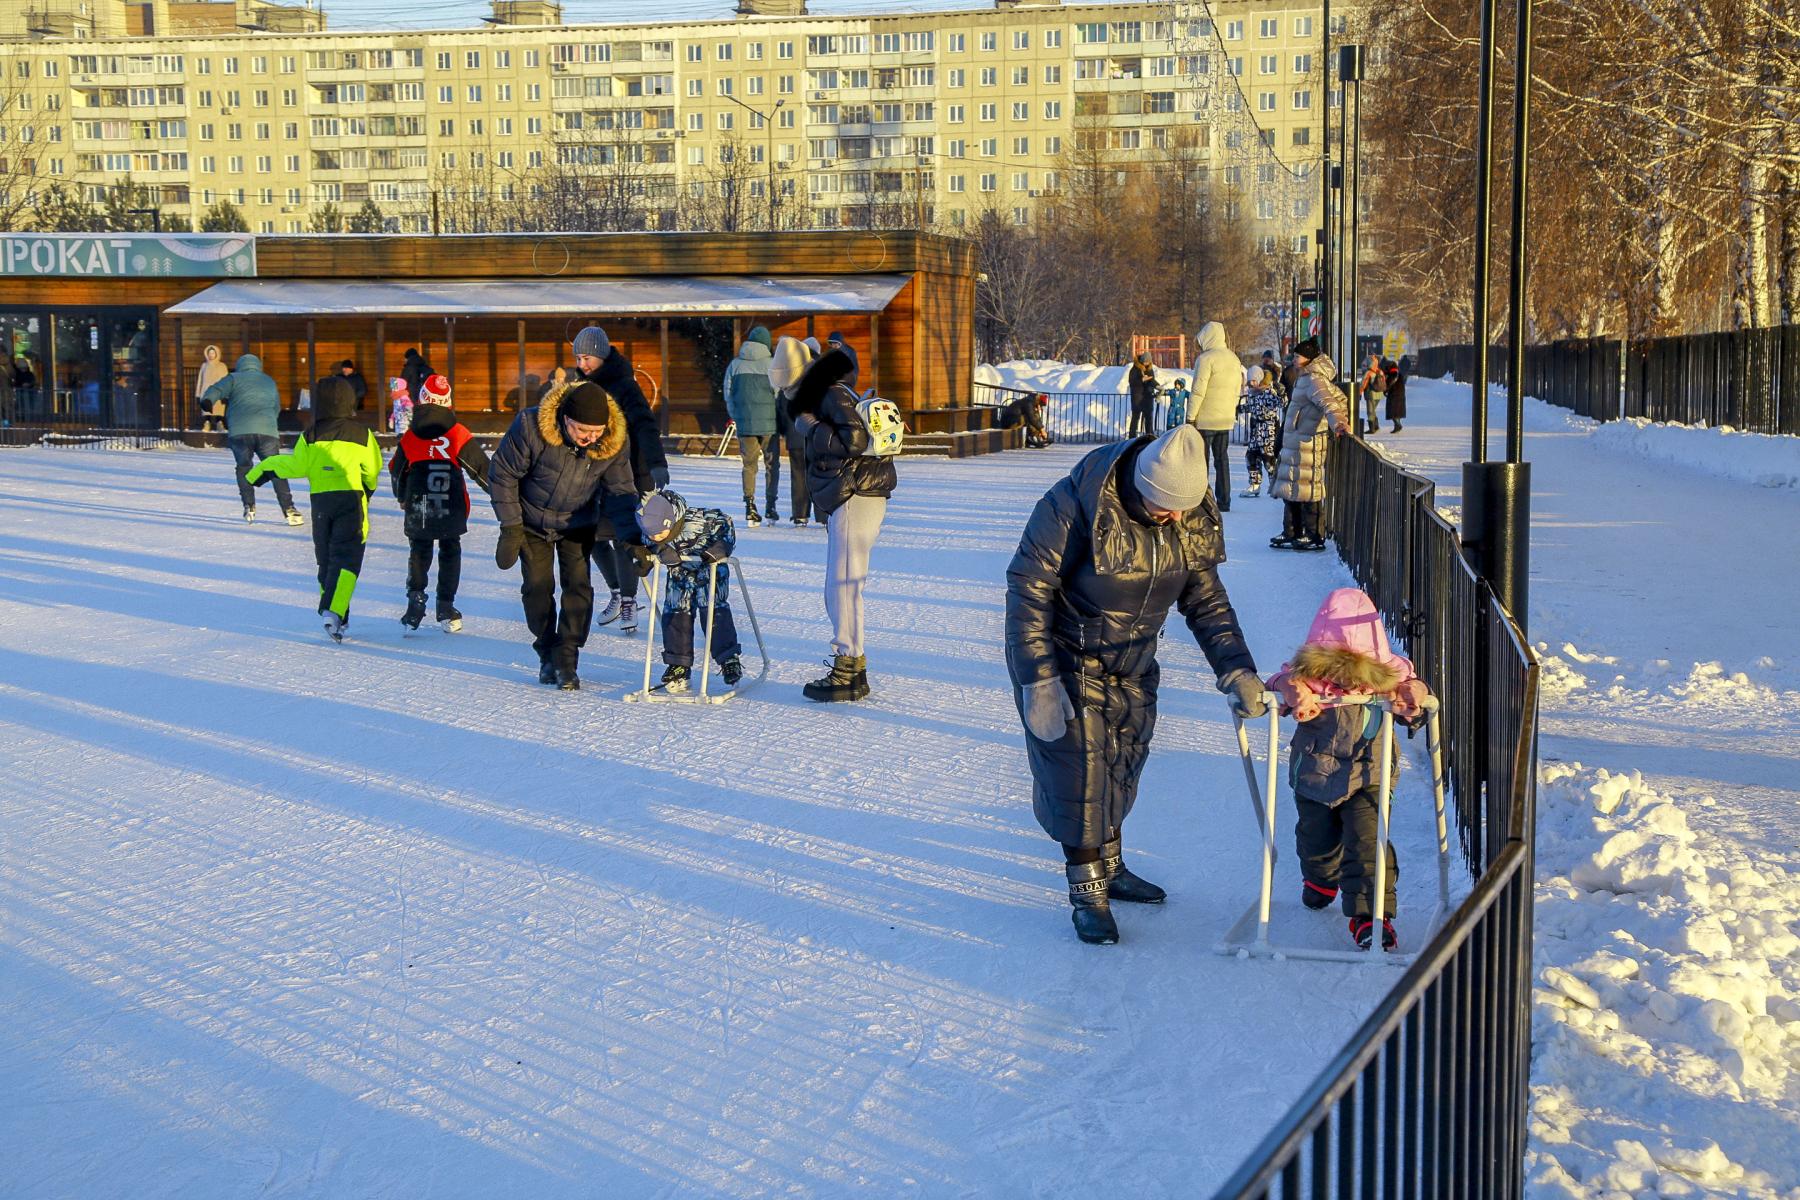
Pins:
x: 851, y: 488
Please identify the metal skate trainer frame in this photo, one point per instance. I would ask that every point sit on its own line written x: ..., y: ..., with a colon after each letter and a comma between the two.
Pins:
x: 1250, y: 934
x: 651, y: 695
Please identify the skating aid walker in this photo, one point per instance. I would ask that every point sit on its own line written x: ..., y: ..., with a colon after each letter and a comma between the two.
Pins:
x: 656, y: 695
x: 1249, y: 937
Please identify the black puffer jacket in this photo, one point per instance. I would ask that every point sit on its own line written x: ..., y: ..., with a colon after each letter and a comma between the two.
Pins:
x: 538, y: 480
x: 824, y: 414
x: 1086, y: 598
x: 616, y: 375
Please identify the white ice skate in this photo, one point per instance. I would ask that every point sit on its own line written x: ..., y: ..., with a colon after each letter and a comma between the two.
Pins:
x: 334, y: 626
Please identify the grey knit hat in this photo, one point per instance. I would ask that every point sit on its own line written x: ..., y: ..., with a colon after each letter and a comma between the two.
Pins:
x: 1171, y: 471
x: 592, y: 340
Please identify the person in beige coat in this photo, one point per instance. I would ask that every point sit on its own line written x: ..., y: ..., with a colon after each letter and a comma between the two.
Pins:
x: 1318, y: 407
x: 212, y: 370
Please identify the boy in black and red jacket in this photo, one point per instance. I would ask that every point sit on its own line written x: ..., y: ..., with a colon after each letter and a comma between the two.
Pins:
x: 427, y: 470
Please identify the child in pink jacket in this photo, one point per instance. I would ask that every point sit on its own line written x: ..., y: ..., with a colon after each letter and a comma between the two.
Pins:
x: 1331, y: 761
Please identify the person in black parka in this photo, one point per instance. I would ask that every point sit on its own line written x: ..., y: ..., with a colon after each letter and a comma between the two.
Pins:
x: 560, y: 480
x: 1131, y: 531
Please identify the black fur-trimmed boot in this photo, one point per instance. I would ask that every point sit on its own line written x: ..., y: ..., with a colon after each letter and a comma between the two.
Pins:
x: 1122, y: 883
x: 1092, y: 916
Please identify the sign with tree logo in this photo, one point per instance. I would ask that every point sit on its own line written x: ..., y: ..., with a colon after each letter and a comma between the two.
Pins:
x: 128, y: 255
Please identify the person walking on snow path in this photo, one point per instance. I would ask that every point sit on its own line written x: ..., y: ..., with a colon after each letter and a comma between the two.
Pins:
x: 1141, y: 381
x: 1262, y: 409
x: 597, y: 360
x: 750, y: 399
x: 252, y: 405
x: 1371, y: 386
x: 1331, y: 759
x: 851, y: 488
x: 560, y: 480
x: 1218, y: 389
x: 427, y: 472
x: 1131, y: 531
x: 786, y: 366
x: 212, y: 370
x: 1317, y: 408
x: 1396, y: 391
x: 341, y: 462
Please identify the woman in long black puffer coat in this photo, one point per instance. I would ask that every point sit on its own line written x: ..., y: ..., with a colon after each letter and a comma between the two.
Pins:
x: 1105, y: 554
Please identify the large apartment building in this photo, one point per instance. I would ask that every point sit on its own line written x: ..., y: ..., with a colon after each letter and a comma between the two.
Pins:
x: 810, y: 121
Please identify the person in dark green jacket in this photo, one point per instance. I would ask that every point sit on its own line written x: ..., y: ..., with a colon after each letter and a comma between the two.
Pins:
x: 341, y: 462
x: 252, y: 405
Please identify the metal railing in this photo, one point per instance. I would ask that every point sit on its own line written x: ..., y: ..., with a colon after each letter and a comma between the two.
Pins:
x: 1746, y: 379
x: 1428, y: 1097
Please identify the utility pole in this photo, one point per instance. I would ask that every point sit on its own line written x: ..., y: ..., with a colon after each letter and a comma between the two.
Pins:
x: 1350, y: 73
x: 1325, y: 322
x: 769, y: 140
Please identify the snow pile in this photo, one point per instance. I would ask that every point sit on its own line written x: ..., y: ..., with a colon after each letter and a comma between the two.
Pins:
x: 1762, y: 459
x: 1667, y: 982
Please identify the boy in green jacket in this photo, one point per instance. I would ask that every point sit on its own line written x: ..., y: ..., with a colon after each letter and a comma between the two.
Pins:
x: 341, y: 462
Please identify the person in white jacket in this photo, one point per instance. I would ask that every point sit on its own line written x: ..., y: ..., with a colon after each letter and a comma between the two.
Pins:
x: 1218, y: 389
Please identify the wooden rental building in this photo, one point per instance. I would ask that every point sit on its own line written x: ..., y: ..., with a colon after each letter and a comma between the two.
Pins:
x: 109, y: 330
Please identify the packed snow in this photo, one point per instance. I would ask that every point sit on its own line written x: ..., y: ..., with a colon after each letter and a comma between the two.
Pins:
x: 389, y: 919
x: 1666, y: 1058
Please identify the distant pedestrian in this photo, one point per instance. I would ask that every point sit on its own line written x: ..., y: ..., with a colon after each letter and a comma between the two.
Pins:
x: 788, y: 363
x: 1179, y: 400
x: 1218, y: 388
x: 252, y: 405
x: 212, y: 370
x: 1141, y: 382
x: 1273, y: 375
x: 1262, y: 412
x: 750, y: 400
x: 400, y: 406
x: 1396, y: 391
x: 415, y: 369
x: 347, y: 371
x: 1371, y: 387
x: 1317, y: 408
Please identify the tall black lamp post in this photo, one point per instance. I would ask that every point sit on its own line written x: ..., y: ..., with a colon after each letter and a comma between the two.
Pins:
x: 1350, y: 73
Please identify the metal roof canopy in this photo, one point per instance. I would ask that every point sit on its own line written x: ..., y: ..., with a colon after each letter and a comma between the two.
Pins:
x: 656, y: 295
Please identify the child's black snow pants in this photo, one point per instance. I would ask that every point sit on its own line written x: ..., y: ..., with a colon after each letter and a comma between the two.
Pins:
x: 1337, y: 850
x: 684, y: 606
x: 340, y: 531
x: 418, y: 566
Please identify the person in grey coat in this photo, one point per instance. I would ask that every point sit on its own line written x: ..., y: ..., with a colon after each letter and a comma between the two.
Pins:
x: 252, y: 407
x: 750, y: 399
x: 1317, y: 412
x: 1131, y: 531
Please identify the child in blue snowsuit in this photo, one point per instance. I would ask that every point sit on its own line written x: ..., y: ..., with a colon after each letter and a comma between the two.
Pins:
x: 694, y: 544
x: 1178, y: 405
x: 1262, y: 408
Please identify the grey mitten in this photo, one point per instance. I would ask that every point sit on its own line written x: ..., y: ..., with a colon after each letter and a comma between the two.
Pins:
x: 1244, y: 691
x: 1047, y: 710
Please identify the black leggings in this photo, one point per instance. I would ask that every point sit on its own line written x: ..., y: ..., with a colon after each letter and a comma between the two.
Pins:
x: 614, y: 561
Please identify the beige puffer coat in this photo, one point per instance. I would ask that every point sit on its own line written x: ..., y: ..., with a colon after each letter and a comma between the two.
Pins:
x: 1318, y: 406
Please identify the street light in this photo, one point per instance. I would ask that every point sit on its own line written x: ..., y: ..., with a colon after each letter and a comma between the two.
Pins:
x: 1350, y: 71
x: 768, y: 124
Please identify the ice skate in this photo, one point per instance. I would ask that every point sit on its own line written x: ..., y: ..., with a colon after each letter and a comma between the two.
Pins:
x: 293, y: 517
x: 628, y: 615
x: 675, y: 680
x: 250, y: 514
x: 609, y: 614
x: 567, y: 680
x: 1362, y: 932
x: 448, y: 619
x: 752, y: 518
x: 731, y: 670
x: 334, y: 626
x: 415, y: 610
x: 1316, y: 897
x: 546, y: 672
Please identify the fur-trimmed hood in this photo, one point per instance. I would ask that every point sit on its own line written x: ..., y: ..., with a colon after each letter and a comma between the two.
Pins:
x: 549, y: 424
x: 1347, y: 649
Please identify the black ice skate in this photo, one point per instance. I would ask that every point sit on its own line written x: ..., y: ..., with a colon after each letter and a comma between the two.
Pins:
x: 1316, y: 897
x: 675, y: 680
x: 415, y: 610
x: 752, y: 518
x: 448, y: 619
x: 1362, y: 932
x: 731, y: 670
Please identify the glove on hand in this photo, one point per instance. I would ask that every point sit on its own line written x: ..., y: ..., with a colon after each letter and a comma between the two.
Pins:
x: 1297, y: 698
x: 660, y: 475
x: 714, y: 554
x: 1047, y: 710
x: 1244, y: 692
x: 642, y: 561
x: 1408, y: 703
x: 506, y: 550
x: 670, y: 556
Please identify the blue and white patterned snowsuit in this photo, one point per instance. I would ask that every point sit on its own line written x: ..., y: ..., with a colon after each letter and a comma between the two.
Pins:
x: 702, y: 530
x: 1263, y: 408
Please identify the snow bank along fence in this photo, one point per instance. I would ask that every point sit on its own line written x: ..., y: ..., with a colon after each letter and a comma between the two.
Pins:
x: 1748, y: 379
x: 1096, y: 417
x: 1428, y: 1098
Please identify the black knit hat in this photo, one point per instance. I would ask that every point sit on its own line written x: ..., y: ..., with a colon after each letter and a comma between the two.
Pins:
x: 1307, y: 349
x: 587, y: 404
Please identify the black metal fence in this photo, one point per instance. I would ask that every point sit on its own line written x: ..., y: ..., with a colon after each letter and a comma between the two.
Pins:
x: 1747, y: 379
x: 1428, y: 1098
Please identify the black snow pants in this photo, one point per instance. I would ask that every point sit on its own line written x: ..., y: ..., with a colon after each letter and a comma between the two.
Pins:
x: 1303, y: 519
x: 684, y: 608
x: 1337, y: 850
x: 418, y: 566
x: 800, y: 491
x: 558, y: 636
x: 340, y: 532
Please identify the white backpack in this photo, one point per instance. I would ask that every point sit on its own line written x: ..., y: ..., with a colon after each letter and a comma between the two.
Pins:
x: 882, y: 419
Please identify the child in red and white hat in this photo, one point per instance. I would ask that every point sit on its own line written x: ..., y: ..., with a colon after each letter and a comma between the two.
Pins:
x: 435, y: 452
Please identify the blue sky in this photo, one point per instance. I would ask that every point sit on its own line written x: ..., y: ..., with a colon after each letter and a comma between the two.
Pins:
x: 441, y: 14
